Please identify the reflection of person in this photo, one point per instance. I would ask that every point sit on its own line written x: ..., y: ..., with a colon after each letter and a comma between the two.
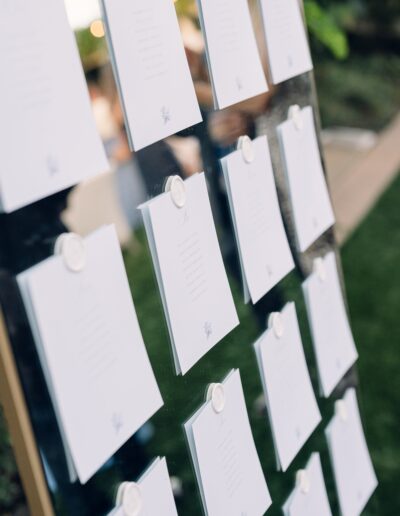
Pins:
x: 218, y: 136
x: 103, y: 115
x: 142, y: 173
x: 153, y: 163
x: 137, y: 175
x: 227, y: 125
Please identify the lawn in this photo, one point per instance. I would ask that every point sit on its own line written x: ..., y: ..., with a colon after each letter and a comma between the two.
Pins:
x: 371, y: 264
x: 370, y: 261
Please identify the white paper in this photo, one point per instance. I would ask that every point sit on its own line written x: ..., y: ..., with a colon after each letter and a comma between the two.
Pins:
x: 353, y: 470
x: 91, y: 349
x: 311, y: 205
x: 330, y: 329
x: 225, y: 458
x: 194, y: 287
x: 289, y: 395
x: 234, y: 63
x: 315, y: 501
x: 48, y: 138
x: 151, y: 69
x: 287, y: 45
x: 264, y: 251
x: 155, y: 491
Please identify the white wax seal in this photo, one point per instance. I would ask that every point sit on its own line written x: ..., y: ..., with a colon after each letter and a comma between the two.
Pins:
x: 120, y: 492
x: 341, y: 410
x: 319, y: 268
x: 275, y: 322
x: 176, y: 186
x: 130, y: 498
x: 72, y: 248
x: 246, y: 146
x: 216, y: 394
x: 58, y: 243
x: 295, y: 115
x: 303, y: 481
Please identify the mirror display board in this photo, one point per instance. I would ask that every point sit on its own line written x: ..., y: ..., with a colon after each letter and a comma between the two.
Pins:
x: 28, y: 237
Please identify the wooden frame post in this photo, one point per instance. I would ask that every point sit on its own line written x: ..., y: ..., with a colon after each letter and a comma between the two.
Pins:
x: 16, y: 413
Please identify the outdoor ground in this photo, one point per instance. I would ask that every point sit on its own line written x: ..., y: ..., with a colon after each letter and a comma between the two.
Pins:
x: 370, y: 261
x: 371, y: 264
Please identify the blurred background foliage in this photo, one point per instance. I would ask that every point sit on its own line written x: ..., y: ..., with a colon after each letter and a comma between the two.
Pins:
x: 329, y: 23
x: 323, y: 27
x: 322, y: 24
x: 356, y: 52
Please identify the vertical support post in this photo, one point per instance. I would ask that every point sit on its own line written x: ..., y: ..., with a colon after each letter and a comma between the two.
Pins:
x: 19, y: 425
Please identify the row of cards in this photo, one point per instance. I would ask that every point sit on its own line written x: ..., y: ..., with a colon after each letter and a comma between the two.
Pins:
x: 85, y: 327
x: 187, y: 258
x: 228, y: 470
x: 148, y: 58
x: 43, y: 93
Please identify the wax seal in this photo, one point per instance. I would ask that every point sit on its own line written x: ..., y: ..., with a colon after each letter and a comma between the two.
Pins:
x: 319, y: 268
x: 176, y: 187
x: 129, y: 497
x: 303, y: 481
x: 247, y: 147
x: 341, y: 410
x: 275, y: 322
x: 73, y: 250
x: 295, y: 115
x: 216, y: 394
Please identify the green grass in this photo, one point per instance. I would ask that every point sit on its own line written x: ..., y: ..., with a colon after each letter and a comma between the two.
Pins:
x: 371, y: 262
x: 372, y: 274
x: 371, y: 266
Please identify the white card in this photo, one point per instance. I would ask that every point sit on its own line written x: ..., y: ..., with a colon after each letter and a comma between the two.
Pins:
x: 309, y: 498
x: 264, y: 251
x: 289, y: 395
x: 353, y: 470
x: 330, y: 329
x: 311, y: 205
x: 225, y: 458
x: 91, y: 349
x: 234, y: 62
x: 154, y: 491
x: 286, y: 38
x: 151, y: 69
x: 48, y: 138
x: 194, y: 287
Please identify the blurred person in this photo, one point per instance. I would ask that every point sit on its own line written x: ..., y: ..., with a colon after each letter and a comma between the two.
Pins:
x: 153, y: 163
x: 218, y: 136
x: 227, y: 125
x: 129, y: 184
x: 102, y: 111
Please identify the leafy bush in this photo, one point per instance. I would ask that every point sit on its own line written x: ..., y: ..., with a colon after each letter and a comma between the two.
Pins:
x: 324, y: 28
x: 322, y: 25
x: 382, y: 12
